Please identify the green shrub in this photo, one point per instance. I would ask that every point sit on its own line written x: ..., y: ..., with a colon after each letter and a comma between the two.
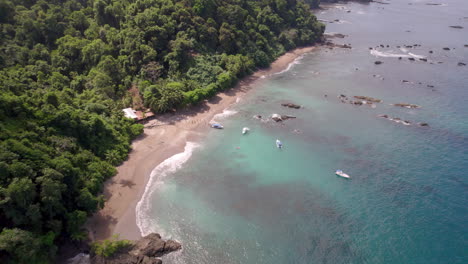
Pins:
x: 109, y: 247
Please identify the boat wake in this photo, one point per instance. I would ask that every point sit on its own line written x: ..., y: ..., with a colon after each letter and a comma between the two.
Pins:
x: 144, y: 220
x: 391, y: 54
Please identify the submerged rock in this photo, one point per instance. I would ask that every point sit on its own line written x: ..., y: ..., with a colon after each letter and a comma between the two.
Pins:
x: 367, y: 98
x: 461, y: 64
x: 291, y: 105
x: 378, y: 62
x: 144, y: 251
x: 457, y: 27
x: 446, y: 48
x: 407, y: 105
x: 423, y: 124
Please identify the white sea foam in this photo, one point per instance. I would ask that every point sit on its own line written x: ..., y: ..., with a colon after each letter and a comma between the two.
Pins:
x: 404, y: 50
x: 416, y: 56
x: 290, y: 65
x: 144, y: 220
x: 388, y: 54
x: 238, y: 99
x: 223, y: 115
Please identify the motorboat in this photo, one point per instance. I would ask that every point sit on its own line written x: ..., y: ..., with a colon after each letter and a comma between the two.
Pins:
x: 217, y: 126
x: 245, y: 130
x: 342, y: 174
x: 279, y: 144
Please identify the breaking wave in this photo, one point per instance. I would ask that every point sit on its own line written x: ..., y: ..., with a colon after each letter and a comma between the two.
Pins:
x: 144, y: 220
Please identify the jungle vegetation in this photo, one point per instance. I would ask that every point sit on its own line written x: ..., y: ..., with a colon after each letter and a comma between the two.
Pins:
x: 66, y: 68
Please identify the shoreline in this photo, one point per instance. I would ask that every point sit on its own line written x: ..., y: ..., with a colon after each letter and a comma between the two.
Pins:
x: 163, y: 137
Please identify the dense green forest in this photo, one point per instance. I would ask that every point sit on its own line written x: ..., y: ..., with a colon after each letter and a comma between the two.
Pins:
x: 66, y: 70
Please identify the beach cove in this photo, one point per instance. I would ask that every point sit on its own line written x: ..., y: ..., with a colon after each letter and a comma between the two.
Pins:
x: 233, y: 198
x: 164, y: 137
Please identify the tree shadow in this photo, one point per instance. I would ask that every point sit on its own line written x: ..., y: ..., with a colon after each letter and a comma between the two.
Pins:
x: 127, y: 183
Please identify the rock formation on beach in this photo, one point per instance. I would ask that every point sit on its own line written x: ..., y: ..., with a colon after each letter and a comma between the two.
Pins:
x: 144, y: 251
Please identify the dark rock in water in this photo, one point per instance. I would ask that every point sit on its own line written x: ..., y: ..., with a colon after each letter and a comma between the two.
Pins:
x: 398, y: 46
x: 286, y: 117
x: 357, y: 103
x: 405, y: 81
x: 383, y: 116
x: 370, y: 48
x: 408, y: 46
x: 466, y: 45
x: 430, y: 86
x: 461, y: 64
x: 342, y: 95
x: 411, y: 59
x: 349, y: 11
x: 368, y: 99
x: 446, y: 48
x: 399, y: 58
x: 378, y: 62
x: 382, y: 46
x: 144, y: 251
x: 431, y: 51
x: 336, y: 35
x: 407, y: 105
x: 388, y: 46
x: 423, y: 124
x: 258, y: 116
x: 291, y: 105
x: 423, y: 59
x: 457, y: 27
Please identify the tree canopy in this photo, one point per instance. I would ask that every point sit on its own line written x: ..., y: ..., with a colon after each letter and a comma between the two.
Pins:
x: 66, y: 68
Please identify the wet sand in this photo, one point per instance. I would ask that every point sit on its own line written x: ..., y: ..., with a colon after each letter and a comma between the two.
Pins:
x: 163, y: 137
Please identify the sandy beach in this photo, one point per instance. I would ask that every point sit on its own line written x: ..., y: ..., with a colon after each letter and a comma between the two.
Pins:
x: 163, y: 137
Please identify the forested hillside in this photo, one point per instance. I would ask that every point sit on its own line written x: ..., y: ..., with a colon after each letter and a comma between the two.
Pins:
x: 66, y: 68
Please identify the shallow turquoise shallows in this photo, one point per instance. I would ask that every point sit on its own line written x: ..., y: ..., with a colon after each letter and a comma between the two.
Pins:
x: 240, y: 199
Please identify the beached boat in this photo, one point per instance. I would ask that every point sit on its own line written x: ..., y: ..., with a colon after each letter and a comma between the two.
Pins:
x: 279, y: 144
x: 217, y: 126
x: 245, y: 130
x: 342, y: 174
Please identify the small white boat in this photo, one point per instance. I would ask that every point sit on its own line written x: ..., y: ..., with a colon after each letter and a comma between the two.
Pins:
x: 342, y: 174
x: 217, y: 126
x: 245, y: 130
x: 279, y: 144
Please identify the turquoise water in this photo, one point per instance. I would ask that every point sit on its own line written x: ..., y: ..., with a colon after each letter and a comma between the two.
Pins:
x: 239, y: 199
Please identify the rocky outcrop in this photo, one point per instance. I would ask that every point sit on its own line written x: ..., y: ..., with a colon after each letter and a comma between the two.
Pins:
x: 291, y: 105
x: 368, y: 99
x: 144, y: 251
x: 461, y: 64
x: 279, y: 118
x: 405, y: 105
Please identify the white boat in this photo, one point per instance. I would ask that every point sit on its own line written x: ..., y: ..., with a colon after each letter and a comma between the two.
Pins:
x: 279, y: 144
x: 342, y: 174
x: 216, y: 125
x: 245, y: 130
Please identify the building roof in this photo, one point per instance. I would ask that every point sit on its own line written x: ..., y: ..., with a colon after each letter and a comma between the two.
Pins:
x: 130, y: 113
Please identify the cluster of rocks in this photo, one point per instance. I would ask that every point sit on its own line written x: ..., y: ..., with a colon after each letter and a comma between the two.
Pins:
x: 279, y: 118
x: 291, y: 105
x: 400, y: 121
x: 362, y: 100
x: 405, y: 105
x: 332, y: 45
x: 147, y: 250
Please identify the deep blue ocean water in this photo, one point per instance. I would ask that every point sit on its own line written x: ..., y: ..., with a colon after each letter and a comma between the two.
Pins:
x: 239, y: 199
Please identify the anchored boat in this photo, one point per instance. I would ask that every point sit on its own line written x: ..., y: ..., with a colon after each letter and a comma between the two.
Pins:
x: 217, y: 126
x: 342, y: 174
x: 279, y: 144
